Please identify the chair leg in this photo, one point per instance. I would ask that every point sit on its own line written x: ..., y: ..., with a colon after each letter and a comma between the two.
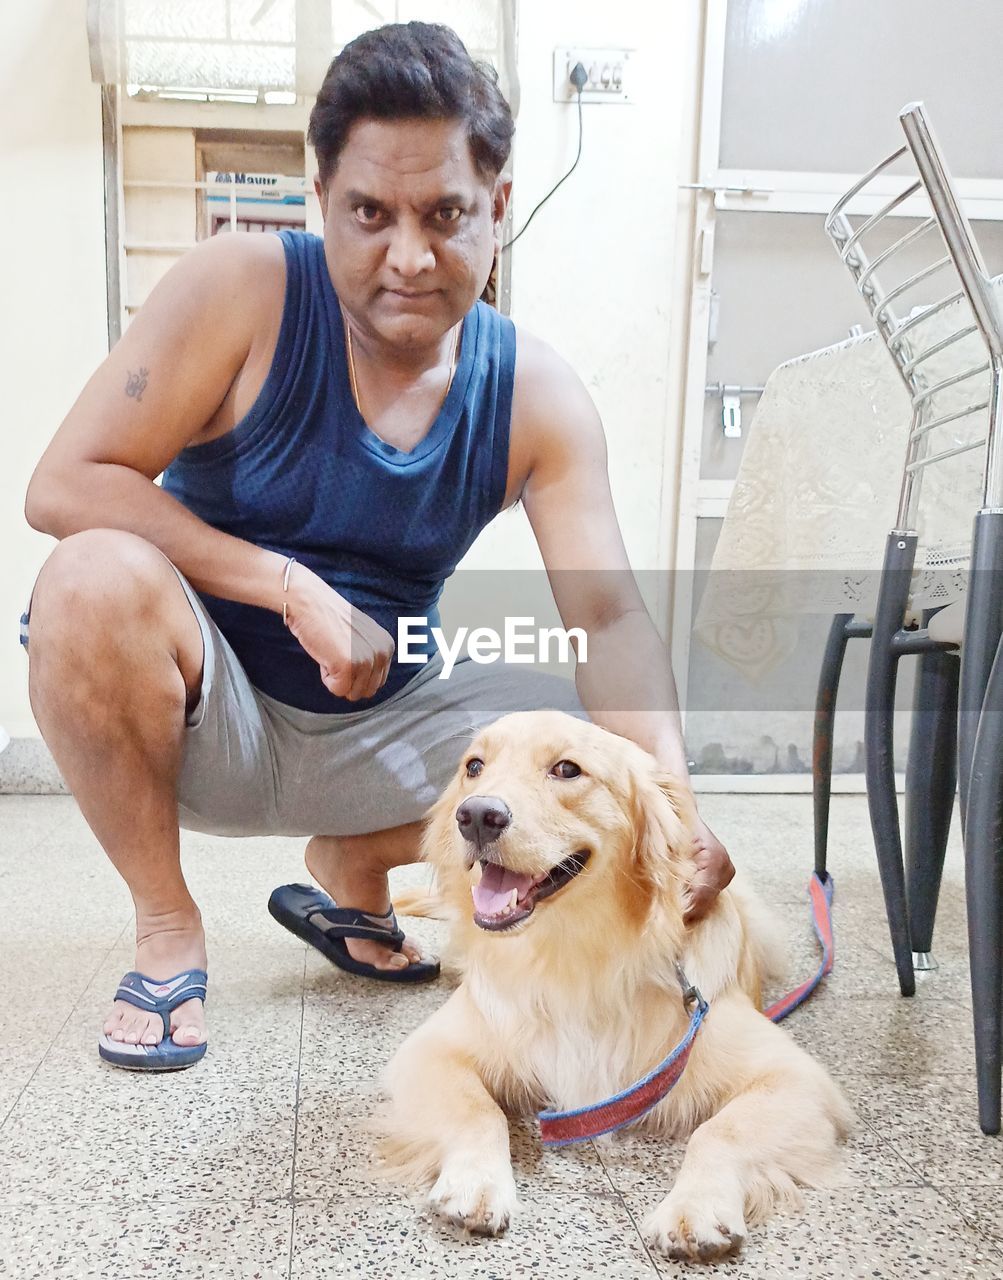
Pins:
x: 984, y: 891
x: 930, y: 783
x: 821, y: 755
x: 983, y: 623
x: 879, y: 722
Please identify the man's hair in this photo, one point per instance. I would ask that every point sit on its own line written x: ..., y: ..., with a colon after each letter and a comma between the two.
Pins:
x: 407, y: 71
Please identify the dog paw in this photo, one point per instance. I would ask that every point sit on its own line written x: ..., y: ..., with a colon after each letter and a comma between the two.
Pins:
x: 695, y: 1229
x: 469, y: 1198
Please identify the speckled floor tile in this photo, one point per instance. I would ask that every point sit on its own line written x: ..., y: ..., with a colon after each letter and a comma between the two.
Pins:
x: 97, y: 1133
x: 557, y: 1237
x: 60, y: 883
x: 215, y: 866
x: 887, y: 1035
x: 160, y: 1240
x: 866, y: 1234
x: 932, y: 1122
x: 40, y: 986
x: 982, y: 1207
x: 33, y: 820
x: 254, y: 1012
x: 18, y: 1063
x: 89, y: 1156
x: 336, y: 1143
x: 860, y: 969
x: 547, y: 1170
x: 353, y: 1026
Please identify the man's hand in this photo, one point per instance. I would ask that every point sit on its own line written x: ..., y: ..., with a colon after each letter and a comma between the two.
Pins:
x: 352, y: 651
x: 714, y: 872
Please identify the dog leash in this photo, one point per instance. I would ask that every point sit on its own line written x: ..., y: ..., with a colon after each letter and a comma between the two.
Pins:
x: 820, y: 893
x: 561, y: 1128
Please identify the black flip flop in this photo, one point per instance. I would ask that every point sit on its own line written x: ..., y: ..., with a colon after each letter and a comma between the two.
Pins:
x: 315, y: 917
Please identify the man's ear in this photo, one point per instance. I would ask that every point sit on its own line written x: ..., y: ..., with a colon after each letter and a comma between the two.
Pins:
x: 502, y: 193
x: 321, y: 191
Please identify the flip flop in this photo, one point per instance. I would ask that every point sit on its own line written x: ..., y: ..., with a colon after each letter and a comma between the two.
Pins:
x: 315, y: 917
x: 162, y: 998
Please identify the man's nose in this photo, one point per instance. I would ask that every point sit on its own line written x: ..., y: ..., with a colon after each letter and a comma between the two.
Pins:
x: 483, y: 818
x: 410, y: 252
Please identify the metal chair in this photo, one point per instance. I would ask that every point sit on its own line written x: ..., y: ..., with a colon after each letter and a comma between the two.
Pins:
x: 935, y: 368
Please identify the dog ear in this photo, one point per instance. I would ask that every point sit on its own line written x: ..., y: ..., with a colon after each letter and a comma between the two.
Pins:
x: 438, y: 828
x: 663, y: 831
x: 681, y: 800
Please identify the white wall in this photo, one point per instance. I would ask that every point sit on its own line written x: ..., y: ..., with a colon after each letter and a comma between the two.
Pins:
x: 593, y: 275
x: 53, y: 327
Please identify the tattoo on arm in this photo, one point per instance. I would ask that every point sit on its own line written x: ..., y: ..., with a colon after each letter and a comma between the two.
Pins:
x: 136, y: 384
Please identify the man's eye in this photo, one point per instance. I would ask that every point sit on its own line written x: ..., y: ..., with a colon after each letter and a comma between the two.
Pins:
x: 565, y: 769
x: 474, y: 767
x: 450, y: 213
x: 368, y: 213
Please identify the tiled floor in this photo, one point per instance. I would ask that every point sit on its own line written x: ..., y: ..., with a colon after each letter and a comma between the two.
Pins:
x: 254, y: 1163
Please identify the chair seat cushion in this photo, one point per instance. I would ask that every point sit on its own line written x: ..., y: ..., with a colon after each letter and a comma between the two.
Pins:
x: 949, y: 624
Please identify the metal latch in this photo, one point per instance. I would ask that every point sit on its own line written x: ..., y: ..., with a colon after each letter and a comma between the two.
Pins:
x: 731, y: 416
x: 731, y: 405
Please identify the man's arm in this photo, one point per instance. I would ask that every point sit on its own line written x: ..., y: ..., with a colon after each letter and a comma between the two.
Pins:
x: 155, y: 393
x: 627, y: 684
x: 152, y: 395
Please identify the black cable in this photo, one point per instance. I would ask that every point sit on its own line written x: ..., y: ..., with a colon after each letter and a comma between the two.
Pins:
x: 575, y: 78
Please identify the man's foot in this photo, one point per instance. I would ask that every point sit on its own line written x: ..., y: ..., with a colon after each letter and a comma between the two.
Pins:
x: 347, y: 869
x: 161, y: 954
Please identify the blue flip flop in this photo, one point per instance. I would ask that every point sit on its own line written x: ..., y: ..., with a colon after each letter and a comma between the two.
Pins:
x: 162, y: 998
x: 315, y: 917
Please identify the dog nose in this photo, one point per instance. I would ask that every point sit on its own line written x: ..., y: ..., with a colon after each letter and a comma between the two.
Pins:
x: 483, y: 818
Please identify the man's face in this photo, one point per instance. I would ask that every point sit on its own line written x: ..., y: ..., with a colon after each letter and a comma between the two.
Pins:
x: 410, y: 228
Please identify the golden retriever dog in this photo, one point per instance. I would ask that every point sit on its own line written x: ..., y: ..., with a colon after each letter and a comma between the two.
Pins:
x: 560, y: 854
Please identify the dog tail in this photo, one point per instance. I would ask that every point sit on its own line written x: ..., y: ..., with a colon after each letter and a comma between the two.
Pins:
x: 420, y: 902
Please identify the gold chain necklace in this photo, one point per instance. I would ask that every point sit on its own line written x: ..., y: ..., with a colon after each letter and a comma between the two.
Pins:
x: 353, y: 381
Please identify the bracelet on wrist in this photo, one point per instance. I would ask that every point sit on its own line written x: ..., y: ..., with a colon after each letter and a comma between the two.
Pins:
x: 285, y: 589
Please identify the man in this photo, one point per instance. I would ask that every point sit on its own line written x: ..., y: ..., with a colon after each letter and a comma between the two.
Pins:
x: 336, y: 420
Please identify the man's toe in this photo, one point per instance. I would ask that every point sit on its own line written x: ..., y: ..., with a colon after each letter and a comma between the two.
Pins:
x: 412, y: 950
x: 187, y: 1026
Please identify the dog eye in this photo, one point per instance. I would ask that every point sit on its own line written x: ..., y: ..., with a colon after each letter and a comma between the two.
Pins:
x: 474, y: 767
x: 565, y: 769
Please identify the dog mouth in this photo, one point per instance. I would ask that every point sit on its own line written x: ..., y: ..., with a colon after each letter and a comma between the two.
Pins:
x: 505, y: 898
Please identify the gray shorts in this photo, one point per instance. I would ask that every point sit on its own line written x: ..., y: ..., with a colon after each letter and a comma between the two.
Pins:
x: 254, y: 766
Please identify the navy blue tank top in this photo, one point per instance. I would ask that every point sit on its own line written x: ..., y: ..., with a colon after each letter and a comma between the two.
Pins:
x: 303, y: 475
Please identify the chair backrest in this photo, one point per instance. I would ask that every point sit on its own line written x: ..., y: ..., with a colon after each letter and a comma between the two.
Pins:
x: 949, y: 354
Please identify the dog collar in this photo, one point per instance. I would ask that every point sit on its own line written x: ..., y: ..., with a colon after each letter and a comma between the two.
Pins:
x: 561, y: 1128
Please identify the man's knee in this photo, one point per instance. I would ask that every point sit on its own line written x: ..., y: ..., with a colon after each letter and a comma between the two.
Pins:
x: 103, y: 599
x: 104, y: 589
x: 100, y: 578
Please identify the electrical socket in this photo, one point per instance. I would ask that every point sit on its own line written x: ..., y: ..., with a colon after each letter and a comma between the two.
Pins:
x: 608, y: 71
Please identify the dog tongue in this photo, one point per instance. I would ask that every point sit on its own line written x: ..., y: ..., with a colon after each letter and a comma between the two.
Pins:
x: 494, y: 891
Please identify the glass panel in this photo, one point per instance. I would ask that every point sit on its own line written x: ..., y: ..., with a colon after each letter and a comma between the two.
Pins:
x: 196, y: 19
x: 217, y: 66
x: 349, y: 18
x: 783, y: 292
x: 737, y: 726
x: 253, y: 20
x: 817, y: 85
x: 476, y: 22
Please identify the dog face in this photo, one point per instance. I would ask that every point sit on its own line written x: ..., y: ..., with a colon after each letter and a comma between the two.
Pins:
x: 551, y: 819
